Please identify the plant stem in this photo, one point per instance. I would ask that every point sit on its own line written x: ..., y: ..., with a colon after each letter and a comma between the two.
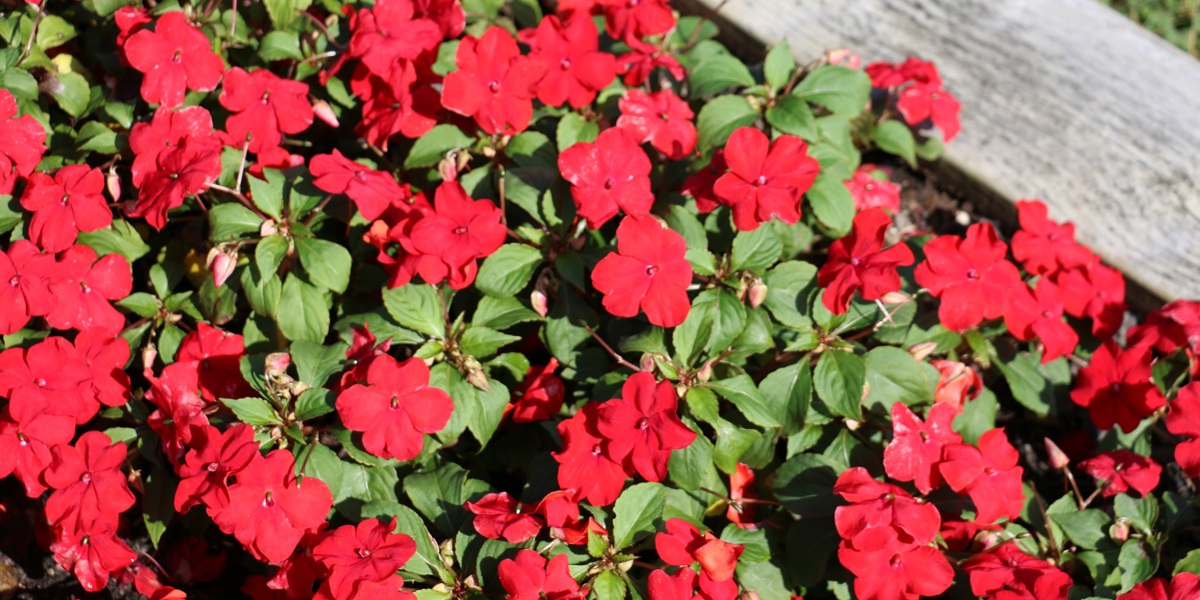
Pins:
x: 613, y: 353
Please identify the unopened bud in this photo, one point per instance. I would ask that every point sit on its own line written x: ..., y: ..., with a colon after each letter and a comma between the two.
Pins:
x: 749, y: 595
x: 844, y: 57
x: 112, y: 182
x: 705, y: 373
x: 758, y: 293
x: 537, y: 299
x: 647, y: 362
x: 477, y: 378
x: 149, y: 355
x: 1119, y: 531
x: 852, y: 425
x: 894, y: 298
x: 1058, y: 459
x: 324, y: 112
x: 446, y: 553
x: 923, y: 350
x: 988, y: 539
x: 221, y: 265
x: 665, y: 366
x: 277, y: 364
x: 448, y: 167
x: 299, y: 387
x: 268, y: 229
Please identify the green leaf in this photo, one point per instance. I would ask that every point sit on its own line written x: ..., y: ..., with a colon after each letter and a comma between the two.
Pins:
x: 231, y: 220
x: 440, y: 494
x: 894, y: 375
x: 270, y: 252
x: 792, y: 115
x: 313, y: 403
x: 508, y: 270
x: 267, y: 194
x: 720, y: 117
x: 804, y: 485
x: 840, y: 378
x: 483, y: 342
x: 54, y: 31
x: 1142, y: 512
x: 280, y: 45
x: 433, y: 146
x: 283, y: 12
x: 20, y: 83
x: 72, y: 93
x: 158, y: 502
x: 1138, y: 563
x: 1087, y: 528
x: 417, y: 307
x: 690, y: 467
x: 843, y: 91
x: 788, y: 393
x: 713, y: 323
x: 896, y: 138
x: 409, y: 523
x: 832, y: 203
x: 140, y: 304
x: 977, y: 417
x: 305, y: 315
x: 788, y: 288
x: 718, y: 73
x: 253, y: 411
x: 608, y: 586
x: 755, y: 250
x: 501, y: 313
x: 635, y: 513
x: 572, y: 129
x: 489, y: 410
x: 1188, y: 564
x: 97, y: 137
x: 365, y: 484
x: 328, y: 264
x: 319, y: 461
x: 1034, y: 385
x: 778, y: 66
x: 315, y: 363
x: 740, y: 391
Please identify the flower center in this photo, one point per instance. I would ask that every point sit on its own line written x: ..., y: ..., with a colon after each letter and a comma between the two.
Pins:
x: 609, y: 183
x: 989, y: 471
x: 15, y: 280
x: 566, y: 63
x: 869, y: 187
x: 178, y: 56
x: 64, y: 200
x: 460, y: 230
x: 1047, y: 314
x: 972, y: 274
x: 86, y: 477
x: 268, y: 501
x: 1115, y: 387
x: 651, y: 269
x: 40, y: 382
x: 762, y: 180
x: 494, y: 86
x: 643, y: 423
x: 213, y: 466
x: 363, y: 553
x: 395, y: 403
x: 596, y: 450
x: 856, y: 261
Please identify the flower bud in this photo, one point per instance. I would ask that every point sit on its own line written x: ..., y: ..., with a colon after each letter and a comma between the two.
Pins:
x: 112, y: 182
x: 268, y: 229
x: 1119, y: 531
x: 705, y: 373
x: 324, y: 112
x: 537, y: 298
x: 221, y: 265
x: 894, y: 298
x: 844, y: 57
x: 647, y: 362
x: 149, y: 355
x: 758, y: 293
x: 277, y: 364
x: 749, y: 595
x: 1058, y: 459
x: 923, y: 350
x: 448, y: 166
x: 477, y: 378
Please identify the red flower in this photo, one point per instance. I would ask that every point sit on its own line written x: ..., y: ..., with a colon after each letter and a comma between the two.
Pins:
x: 916, y: 448
x: 366, y: 553
x: 970, y: 276
x: 106, y: 357
x: 493, y: 83
x: 683, y: 544
x: 27, y: 432
x: 561, y: 512
x: 404, y: 103
x: 458, y: 231
x: 648, y: 271
x: 540, y: 395
x: 860, y: 262
x: 83, y: 288
x: 175, y: 57
x: 1184, y: 419
x: 575, y: 68
x: 643, y: 426
x: 610, y: 175
x: 638, y: 64
x: 530, y: 577
x: 1007, y: 570
x: 929, y: 101
x: 636, y: 19
x: 700, y: 185
x: 679, y: 586
x: 1095, y: 291
x: 389, y: 32
x: 1042, y: 245
x: 89, y: 487
x: 395, y: 408
x: 766, y: 178
x: 584, y: 468
x: 50, y: 376
x: 1182, y: 587
x: 270, y: 509
x: 180, y: 413
x: 130, y: 20
x: 741, y: 487
x: 184, y: 171
x: 661, y: 118
x: 25, y: 275
x: 92, y: 554
x: 1120, y: 470
x: 876, y: 505
x: 989, y: 474
x: 166, y: 131
x: 65, y: 205
x: 1116, y: 387
x: 869, y: 192
x: 887, y: 75
x: 957, y: 383
x: 264, y: 106
x: 24, y: 139
x: 884, y: 572
x: 448, y: 14
x: 1039, y: 313
x: 371, y: 191
x: 500, y: 516
x: 209, y: 361
x: 215, y: 456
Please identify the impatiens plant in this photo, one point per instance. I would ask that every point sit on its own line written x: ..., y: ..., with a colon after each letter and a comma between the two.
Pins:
x: 462, y: 299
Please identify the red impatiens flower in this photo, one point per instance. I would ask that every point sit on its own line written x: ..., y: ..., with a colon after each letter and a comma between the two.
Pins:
x: 530, y: 577
x: 869, y: 192
x: 270, y: 508
x: 27, y: 432
x: 448, y: 14
x: 683, y: 544
x: 883, y: 571
x: 1005, y: 572
x: 1095, y: 291
x: 371, y: 191
x: 584, y: 468
x: 215, y: 456
x: 970, y: 276
x: 24, y: 139
x: 741, y: 488
x: 1042, y: 245
x: 766, y: 178
x: 130, y: 20
x: 50, y: 376
x: 957, y: 383
x: 888, y: 75
x: 636, y: 19
x: 1117, y: 387
x: 25, y: 275
x: 679, y: 586
x: 540, y: 395
x: 83, y: 288
x: 700, y: 185
x: 106, y: 357
x: 916, y: 448
x: 1120, y: 470
x: 365, y: 553
x: 926, y: 101
x: 64, y: 205
x: 395, y: 408
x: 1184, y: 419
x: 1183, y: 586
x: 610, y: 175
x: 988, y: 474
x: 458, y: 231
x: 493, y: 82
x: 637, y: 65
x: 1039, y: 313
x: 389, y: 32
x: 89, y: 487
x: 500, y: 516
x: 404, y: 103
x: 874, y: 505
x: 175, y: 57
x: 859, y: 262
x: 167, y: 130
x: 643, y: 426
x: 661, y: 118
x: 576, y: 70
x: 180, y: 414
x: 209, y: 361
x: 561, y: 512
x: 92, y: 554
x: 265, y: 105
x: 184, y: 171
x: 648, y: 272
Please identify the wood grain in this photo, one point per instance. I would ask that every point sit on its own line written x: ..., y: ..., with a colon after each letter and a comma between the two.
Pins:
x: 1063, y: 100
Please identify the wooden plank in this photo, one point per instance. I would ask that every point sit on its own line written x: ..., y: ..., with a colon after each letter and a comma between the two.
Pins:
x: 1064, y: 100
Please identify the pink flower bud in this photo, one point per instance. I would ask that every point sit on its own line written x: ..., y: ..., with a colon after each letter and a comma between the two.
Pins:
x: 923, y: 350
x: 844, y: 57
x: 277, y: 363
x: 477, y: 378
x: 705, y: 373
x: 448, y: 167
x: 647, y: 362
x: 538, y: 299
x: 1058, y: 459
x: 268, y: 229
x: 1119, y: 531
x: 324, y: 112
x: 222, y: 267
x: 112, y: 183
x: 758, y: 293
x: 894, y: 298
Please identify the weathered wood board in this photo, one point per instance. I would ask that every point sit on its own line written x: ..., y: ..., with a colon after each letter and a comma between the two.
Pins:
x: 1064, y: 100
